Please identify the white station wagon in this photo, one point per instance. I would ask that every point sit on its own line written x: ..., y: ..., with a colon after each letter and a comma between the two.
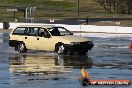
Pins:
x: 48, y: 38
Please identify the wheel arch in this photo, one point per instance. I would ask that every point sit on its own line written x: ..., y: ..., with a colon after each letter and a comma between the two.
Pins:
x: 56, y: 45
x: 14, y: 43
x: 18, y: 42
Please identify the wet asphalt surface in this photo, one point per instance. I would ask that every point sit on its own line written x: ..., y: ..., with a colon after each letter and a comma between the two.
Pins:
x: 111, y: 58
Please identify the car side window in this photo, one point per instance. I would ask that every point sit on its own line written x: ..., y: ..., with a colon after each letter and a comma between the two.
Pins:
x: 62, y: 31
x: 21, y: 31
x: 33, y: 31
x: 54, y: 31
x: 43, y: 32
x: 59, y: 31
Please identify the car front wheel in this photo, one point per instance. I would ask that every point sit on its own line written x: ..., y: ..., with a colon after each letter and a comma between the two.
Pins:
x: 60, y: 49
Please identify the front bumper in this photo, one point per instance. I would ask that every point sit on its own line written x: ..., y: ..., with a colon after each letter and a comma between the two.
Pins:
x: 79, y: 47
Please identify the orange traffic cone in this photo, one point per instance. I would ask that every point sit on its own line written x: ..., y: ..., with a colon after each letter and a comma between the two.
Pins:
x: 130, y: 45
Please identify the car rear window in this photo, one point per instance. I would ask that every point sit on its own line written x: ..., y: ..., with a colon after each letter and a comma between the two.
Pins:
x: 21, y: 31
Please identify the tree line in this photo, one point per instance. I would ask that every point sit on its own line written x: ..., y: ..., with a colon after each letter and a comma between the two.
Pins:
x: 117, y: 6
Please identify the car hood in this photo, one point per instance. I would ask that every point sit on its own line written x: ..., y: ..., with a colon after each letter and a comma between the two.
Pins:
x: 73, y: 38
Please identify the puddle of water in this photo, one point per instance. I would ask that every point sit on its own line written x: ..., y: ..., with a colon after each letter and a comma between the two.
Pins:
x: 54, y: 69
x: 110, y: 59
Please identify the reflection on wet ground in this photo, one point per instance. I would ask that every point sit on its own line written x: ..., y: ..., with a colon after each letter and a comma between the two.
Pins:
x: 32, y: 65
x: 46, y: 70
x: 111, y: 58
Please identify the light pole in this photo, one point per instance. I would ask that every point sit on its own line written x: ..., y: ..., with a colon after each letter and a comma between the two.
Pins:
x: 78, y: 9
x: 117, y: 24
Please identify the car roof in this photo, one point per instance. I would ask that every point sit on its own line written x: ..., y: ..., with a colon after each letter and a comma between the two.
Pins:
x: 42, y: 26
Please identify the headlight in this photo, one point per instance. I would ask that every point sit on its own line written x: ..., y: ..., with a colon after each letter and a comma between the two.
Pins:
x: 74, y: 43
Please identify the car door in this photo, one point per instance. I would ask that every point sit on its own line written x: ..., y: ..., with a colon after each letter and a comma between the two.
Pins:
x: 21, y: 34
x: 31, y: 38
x: 45, y: 42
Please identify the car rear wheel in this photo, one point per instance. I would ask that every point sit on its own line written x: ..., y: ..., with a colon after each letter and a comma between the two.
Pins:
x: 21, y: 48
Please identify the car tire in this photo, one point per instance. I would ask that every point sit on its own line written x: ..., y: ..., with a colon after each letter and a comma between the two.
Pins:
x: 21, y: 48
x: 60, y: 49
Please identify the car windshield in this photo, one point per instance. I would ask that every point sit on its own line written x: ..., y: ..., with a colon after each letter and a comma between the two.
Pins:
x: 59, y: 31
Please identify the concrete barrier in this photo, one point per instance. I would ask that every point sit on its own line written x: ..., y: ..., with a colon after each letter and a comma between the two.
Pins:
x: 83, y: 28
x: 1, y: 25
